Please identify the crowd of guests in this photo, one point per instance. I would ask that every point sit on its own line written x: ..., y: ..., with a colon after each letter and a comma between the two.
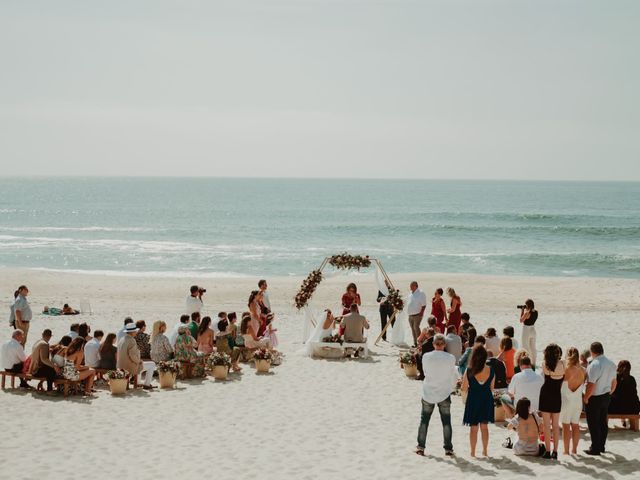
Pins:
x: 81, y: 352
x: 493, y: 371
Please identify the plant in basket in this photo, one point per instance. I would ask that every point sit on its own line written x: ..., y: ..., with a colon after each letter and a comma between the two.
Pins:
x: 262, y: 354
x: 497, y: 394
x: 169, y: 366
x: 118, y: 374
x: 409, y: 364
x: 407, y: 358
x: 219, y: 359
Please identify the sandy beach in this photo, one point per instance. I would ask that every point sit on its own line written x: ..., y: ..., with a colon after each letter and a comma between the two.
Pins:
x: 310, y: 418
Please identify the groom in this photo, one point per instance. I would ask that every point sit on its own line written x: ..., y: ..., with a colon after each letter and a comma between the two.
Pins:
x: 354, y: 325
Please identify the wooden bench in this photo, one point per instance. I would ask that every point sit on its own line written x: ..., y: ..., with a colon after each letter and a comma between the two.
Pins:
x: 57, y: 381
x: 633, y: 419
x: 344, y: 345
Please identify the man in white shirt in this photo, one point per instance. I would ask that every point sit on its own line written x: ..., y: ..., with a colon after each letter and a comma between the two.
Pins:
x: 12, y: 355
x: 173, y: 335
x: 440, y: 377
x: 123, y: 331
x: 417, y: 302
x: 194, y: 301
x: 454, y: 343
x: 526, y: 383
x: 91, y: 350
x: 262, y: 285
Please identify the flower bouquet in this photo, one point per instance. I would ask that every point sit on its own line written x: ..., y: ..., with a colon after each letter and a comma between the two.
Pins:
x: 395, y: 299
x: 263, y: 358
x: 409, y: 364
x: 307, y: 288
x: 344, y: 261
x: 118, y: 380
x: 336, y: 338
x: 167, y: 372
x: 220, y: 363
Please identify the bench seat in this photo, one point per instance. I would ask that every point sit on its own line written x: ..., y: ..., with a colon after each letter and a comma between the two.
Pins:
x: 633, y: 419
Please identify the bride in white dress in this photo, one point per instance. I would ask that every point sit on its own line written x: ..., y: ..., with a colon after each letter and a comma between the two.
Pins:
x: 323, y: 330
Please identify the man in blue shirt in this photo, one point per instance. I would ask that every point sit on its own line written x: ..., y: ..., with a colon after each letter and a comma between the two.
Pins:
x: 601, y: 381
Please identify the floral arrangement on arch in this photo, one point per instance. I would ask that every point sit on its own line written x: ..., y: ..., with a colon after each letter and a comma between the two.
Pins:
x: 169, y: 366
x: 344, y: 261
x: 407, y: 358
x: 118, y: 374
x: 333, y: 339
x: 395, y: 299
x: 307, y: 288
x: 218, y: 359
x: 262, y: 354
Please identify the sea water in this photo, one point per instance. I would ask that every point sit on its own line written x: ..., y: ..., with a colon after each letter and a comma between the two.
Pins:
x: 264, y: 227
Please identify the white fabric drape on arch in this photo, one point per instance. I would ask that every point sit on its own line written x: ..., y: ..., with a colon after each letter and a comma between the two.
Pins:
x: 396, y: 333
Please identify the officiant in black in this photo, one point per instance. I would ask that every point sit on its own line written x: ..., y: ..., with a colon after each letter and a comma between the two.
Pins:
x: 386, y: 310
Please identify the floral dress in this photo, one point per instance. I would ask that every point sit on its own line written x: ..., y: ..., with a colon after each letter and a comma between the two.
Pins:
x: 186, y: 352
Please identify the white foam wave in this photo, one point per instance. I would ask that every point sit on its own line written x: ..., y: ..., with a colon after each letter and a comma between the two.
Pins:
x: 147, y: 274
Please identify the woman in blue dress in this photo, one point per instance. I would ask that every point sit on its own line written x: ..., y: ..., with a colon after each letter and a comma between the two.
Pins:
x: 478, y: 410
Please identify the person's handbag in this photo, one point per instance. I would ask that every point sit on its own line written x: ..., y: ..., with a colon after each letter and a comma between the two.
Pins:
x: 507, y: 443
x: 70, y: 372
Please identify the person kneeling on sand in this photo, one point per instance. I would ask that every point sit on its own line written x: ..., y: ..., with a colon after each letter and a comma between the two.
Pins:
x: 129, y: 356
x: 354, y: 325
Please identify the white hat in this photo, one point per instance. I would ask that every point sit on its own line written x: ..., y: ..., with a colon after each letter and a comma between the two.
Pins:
x: 130, y: 328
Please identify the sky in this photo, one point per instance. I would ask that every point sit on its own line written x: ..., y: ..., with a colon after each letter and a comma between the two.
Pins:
x: 494, y: 89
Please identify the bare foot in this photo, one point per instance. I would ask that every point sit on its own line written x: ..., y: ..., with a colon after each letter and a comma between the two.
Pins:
x: 484, y: 453
x: 473, y: 454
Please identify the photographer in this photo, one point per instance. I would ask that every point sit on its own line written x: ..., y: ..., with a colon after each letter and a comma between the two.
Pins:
x: 194, y: 301
x: 528, y: 318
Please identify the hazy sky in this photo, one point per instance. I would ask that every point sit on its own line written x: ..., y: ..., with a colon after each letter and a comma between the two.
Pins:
x: 319, y: 88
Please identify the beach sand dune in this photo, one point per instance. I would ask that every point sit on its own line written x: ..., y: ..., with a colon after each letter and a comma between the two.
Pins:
x: 309, y: 419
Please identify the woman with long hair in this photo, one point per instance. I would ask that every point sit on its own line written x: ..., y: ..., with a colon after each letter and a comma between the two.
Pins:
x: 478, y: 409
x: 624, y: 399
x: 464, y: 359
x: 255, y: 309
x: 507, y: 356
x: 350, y: 297
x: 75, y: 355
x: 161, y: 349
x: 455, y: 314
x: 551, y: 398
x: 571, y: 393
x: 251, y: 339
x: 108, y: 353
x: 439, y: 310
x: 527, y: 426
x: 205, y: 336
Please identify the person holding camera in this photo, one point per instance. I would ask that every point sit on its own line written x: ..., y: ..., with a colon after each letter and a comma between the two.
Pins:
x: 528, y: 318
x: 194, y: 301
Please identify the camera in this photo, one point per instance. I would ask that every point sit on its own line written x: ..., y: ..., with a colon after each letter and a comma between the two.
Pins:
x: 521, y: 307
x: 202, y: 290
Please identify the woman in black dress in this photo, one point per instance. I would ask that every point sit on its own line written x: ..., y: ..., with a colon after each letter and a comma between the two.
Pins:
x: 551, y: 397
x: 624, y: 398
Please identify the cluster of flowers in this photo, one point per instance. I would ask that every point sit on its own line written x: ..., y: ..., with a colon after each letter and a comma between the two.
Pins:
x: 262, y: 354
x: 395, y: 299
x: 344, y: 261
x: 307, y: 288
x: 218, y: 359
x: 170, y: 366
x: 407, y: 358
x: 118, y: 374
x: 333, y: 339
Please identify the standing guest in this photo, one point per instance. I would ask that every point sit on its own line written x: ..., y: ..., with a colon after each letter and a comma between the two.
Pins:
x: 143, y: 340
x: 571, y: 408
x: 386, y: 312
x: 75, y: 355
x: 354, y: 326
x: 73, y: 330
x: 440, y: 380
x: 194, y: 300
x: 266, y: 303
x: 194, y: 324
x: 469, y: 344
x: 454, y: 343
x: 350, y: 297
x: 108, y: 353
x: 510, y: 332
x: 528, y: 318
x: 416, y: 305
x: 455, y: 315
x: 624, y: 399
x: 161, y: 349
x: 173, y: 336
x: 13, y: 356
x: 439, y: 309
x: 270, y: 332
x: 506, y: 356
x: 83, y: 331
x: 12, y: 312
x: 123, y: 331
x: 526, y: 384
x: 41, y: 364
x: 92, y: 350
x: 257, y: 317
x: 205, y: 336
x: 465, y: 325
x: 129, y: 357
x: 22, y: 312
x: 601, y: 381
x: 550, y: 402
x: 478, y: 409
x: 527, y: 425
x: 492, y: 341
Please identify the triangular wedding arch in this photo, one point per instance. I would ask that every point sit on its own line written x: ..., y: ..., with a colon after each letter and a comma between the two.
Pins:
x: 348, y: 262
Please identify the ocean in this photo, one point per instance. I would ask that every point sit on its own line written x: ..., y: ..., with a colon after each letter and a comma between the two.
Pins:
x: 216, y: 227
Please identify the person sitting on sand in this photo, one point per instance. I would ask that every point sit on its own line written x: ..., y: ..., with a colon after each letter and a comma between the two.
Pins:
x: 129, y: 357
x: 222, y: 344
x: 67, y: 310
x: 528, y: 426
x: 108, y: 353
x: 75, y: 355
x: 354, y: 326
x: 161, y: 349
x: 624, y: 398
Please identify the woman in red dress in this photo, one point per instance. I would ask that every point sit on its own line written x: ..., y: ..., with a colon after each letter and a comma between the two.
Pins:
x: 439, y: 310
x: 350, y: 297
x: 454, y: 312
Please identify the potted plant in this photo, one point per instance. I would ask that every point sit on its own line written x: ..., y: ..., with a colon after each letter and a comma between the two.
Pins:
x: 168, y: 371
x: 219, y: 363
x: 118, y: 380
x: 498, y: 409
x: 408, y: 364
x: 263, y: 358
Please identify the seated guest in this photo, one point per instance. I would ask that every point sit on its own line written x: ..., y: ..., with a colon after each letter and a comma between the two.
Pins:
x: 129, y: 358
x: 41, y: 364
x: 506, y: 356
x: 59, y: 350
x: 186, y: 352
x: 67, y: 310
x: 205, y: 336
x: 527, y: 425
x: 143, y: 340
x: 233, y: 326
x: 432, y: 322
x: 161, y: 349
x: 173, y: 335
x: 516, y: 361
x: 108, y: 353
x: 221, y: 316
x: 73, y: 330
x: 465, y: 325
x: 13, y: 356
x: 83, y: 331
x: 123, y: 331
x: 270, y: 331
x: 222, y: 344
x: 354, y: 325
x: 194, y: 324
x: 492, y: 342
x: 499, y: 370
x: 471, y: 342
x: 92, y: 350
x: 624, y: 399
x: 75, y: 355
x: 509, y: 331
x: 454, y: 343
x: 248, y: 334
x: 527, y: 384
